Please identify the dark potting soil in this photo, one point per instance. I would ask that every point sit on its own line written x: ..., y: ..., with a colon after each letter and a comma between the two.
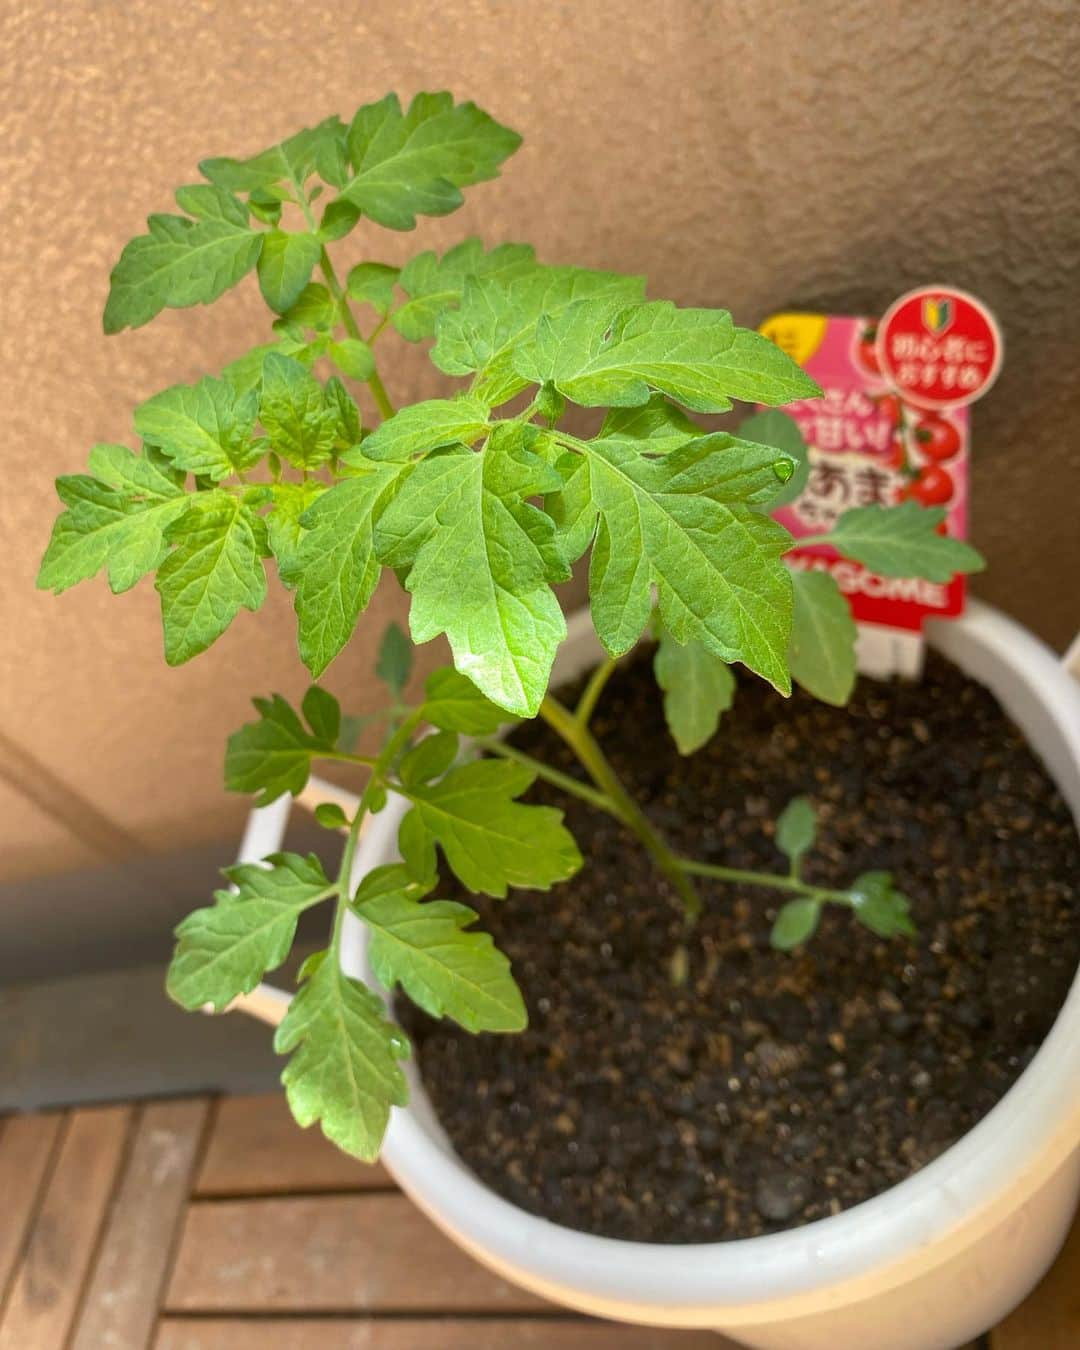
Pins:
x: 770, y: 1089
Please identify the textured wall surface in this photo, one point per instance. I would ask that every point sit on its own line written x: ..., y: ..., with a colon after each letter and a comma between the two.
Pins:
x: 752, y: 153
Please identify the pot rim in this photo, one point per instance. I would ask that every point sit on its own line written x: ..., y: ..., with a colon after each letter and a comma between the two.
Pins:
x: 1017, y: 1145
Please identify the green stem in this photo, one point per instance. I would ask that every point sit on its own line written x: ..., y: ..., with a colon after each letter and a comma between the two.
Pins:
x: 553, y: 776
x: 344, y: 757
x: 771, y: 880
x: 593, y: 690
x: 378, y: 389
x: 578, y: 737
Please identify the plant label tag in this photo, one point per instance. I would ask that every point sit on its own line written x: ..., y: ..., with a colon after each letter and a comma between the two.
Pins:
x: 870, y: 442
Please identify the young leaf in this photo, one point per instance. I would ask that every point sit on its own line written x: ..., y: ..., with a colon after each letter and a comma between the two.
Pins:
x: 429, y: 758
x: 572, y: 509
x: 716, y: 564
x: 204, y: 428
x: 285, y: 267
x: 494, y: 600
x: 393, y: 665
x: 427, y: 426
x: 206, y: 202
x: 822, y: 651
x: 214, y: 571
x: 179, y: 262
x: 224, y: 950
x: 902, y: 541
x: 323, y: 714
x: 490, y: 841
x: 435, y: 284
x: 272, y: 755
x: 372, y: 284
x: 411, y: 164
x: 496, y: 317
x: 290, y: 502
x: 795, y: 924
x: 444, y: 969
x: 348, y: 414
x: 336, y: 570
x: 454, y: 703
x: 877, y: 905
x: 775, y: 428
x: 796, y: 829
x: 697, y: 687
x: 353, y: 358
x: 116, y: 518
x: 660, y: 424
x: 330, y: 816
x: 291, y: 162
x: 301, y: 424
x: 695, y: 356
x: 344, y: 1068
x: 313, y: 308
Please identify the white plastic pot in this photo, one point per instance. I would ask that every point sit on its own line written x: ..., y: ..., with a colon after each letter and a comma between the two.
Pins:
x: 927, y: 1265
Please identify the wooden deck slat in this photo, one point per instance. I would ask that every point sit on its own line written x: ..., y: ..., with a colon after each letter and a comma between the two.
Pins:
x: 1049, y: 1318
x: 26, y: 1146
x: 119, y: 1310
x: 256, y: 1148
x: 343, y: 1254
x: 433, y: 1334
x: 50, y: 1276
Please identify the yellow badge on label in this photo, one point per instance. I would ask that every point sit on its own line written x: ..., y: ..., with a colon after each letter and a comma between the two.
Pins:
x: 800, y: 335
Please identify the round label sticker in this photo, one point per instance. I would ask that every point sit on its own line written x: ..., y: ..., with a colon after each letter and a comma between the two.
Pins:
x: 939, y: 347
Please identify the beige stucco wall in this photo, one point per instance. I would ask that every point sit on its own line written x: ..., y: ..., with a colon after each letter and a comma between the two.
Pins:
x: 754, y: 153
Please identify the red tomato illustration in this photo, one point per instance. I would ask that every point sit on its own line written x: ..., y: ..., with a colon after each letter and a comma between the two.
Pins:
x: 866, y: 351
x: 932, y: 487
x: 937, y: 438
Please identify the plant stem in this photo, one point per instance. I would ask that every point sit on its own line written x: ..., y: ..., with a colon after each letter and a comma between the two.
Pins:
x: 578, y: 737
x: 554, y: 776
x: 771, y: 880
x: 593, y: 690
x: 378, y: 389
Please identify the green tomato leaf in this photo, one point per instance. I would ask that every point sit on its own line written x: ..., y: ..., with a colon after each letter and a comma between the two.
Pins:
x: 290, y: 163
x: 572, y: 509
x: 206, y: 202
x: 353, y: 358
x: 435, y: 284
x: 498, y: 316
x: 427, y: 426
x: 454, y: 703
x: 301, y: 424
x: 373, y: 284
x: 823, y: 633
x: 795, y: 924
x: 204, y: 428
x: 481, y: 561
x: 178, y: 263
x: 775, y: 428
x: 444, y: 969
x: 697, y: 687
x: 411, y: 164
x: 285, y: 267
x: 290, y: 502
x: 393, y: 665
x: 224, y: 950
x: 715, y: 562
x: 313, y: 308
x: 877, y: 905
x: 116, y: 518
x: 659, y: 423
x: 695, y: 356
x: 429, y: 758
x: 490, y: 841
x: 214, y: 571
x: 902, y: 541
x: 796, y: 829
x: 344, y: 1069
x: 330, y: 816
x: 273, y: 754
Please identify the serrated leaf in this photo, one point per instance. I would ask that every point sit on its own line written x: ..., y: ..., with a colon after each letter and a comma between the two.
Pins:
x: 497, y: 317
x: 245, y: 373
x: 490, y: 841
x: 411, y: 164
x: 273, y: 754
x: 214, y: 571
x: 572, y: 509
x: 204, y: 428
x: 695, y: 356
x: 313, y: 308
x: 204, y: 201
x: 697, y: 687
x: 481, y: 562
x: 290, y: 502
x: 426, y: 426
x: 775, y: 428
x: 429, y: 758
x: 454, y: 703
x: 291, y: 161
x: 435, y: 284
x: 353, y: 358
x: 902, y: 541
x: 372, y: 284
x: 659, y: 423
x: 224, y: 950
x: 116, y: 518
x: 716, y: 563
x: 877, y: 905
x: 344, y: 405
x: 336, y: 568
x: 444, y: 969
x: 285, y: 266
x: 294, y: 412
x: 178, y: 263
x: 823, y: 633
x: 796, y: 829
x: 344, y: 1069
x: 393, y: 665
x: 795, y: 924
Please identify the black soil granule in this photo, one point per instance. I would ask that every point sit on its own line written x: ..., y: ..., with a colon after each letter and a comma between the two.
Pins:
x: 771, y: 1089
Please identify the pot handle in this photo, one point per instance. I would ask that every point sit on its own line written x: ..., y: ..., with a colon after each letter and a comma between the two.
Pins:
x: 263, y: 834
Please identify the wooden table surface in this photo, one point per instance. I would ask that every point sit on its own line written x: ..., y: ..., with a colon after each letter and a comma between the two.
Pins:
x: 195, y: 1224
